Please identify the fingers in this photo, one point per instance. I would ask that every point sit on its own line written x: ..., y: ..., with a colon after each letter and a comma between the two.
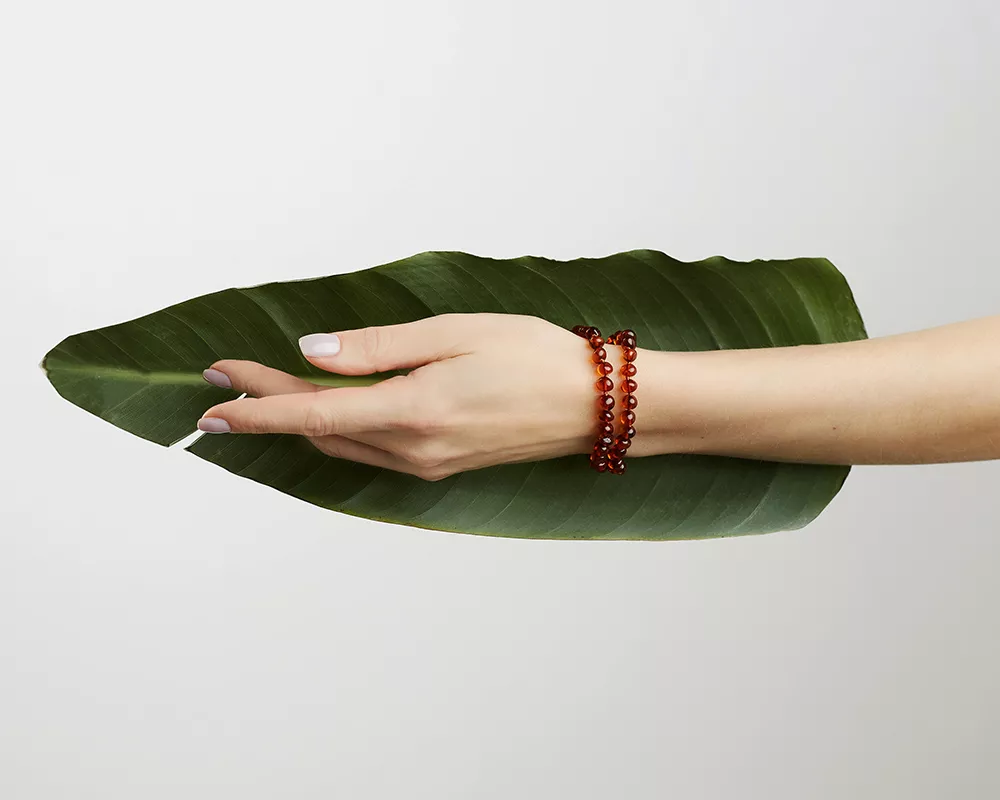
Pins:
x: 381, y: 349
x: 328, y: 412
x: 341, y: 447
x: 255, y: 379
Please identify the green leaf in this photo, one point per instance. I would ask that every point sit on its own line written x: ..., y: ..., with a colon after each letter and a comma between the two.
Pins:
x: 145, y: 377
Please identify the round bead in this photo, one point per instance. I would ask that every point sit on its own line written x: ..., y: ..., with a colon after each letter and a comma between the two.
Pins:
x: 605, y: 429
x: 606, y: 415
x: 629, y: 386
x: 600, y: 354
x: 628, y: 370
x: 622, y: 443
x: 627, y: 341
x: 604, y: 443
x: 608, y: 402
x: 628, y: 417
x: 579, y: 330
x: 628, y: 332
x: 630, y: 432
x: 596, y: 342
x: 605, y: 384
x: 605, y: 368
x: 628, y: 353
x: 591, y: 332
x: 617, y: 466
x: 630, y: 401
x: 601, y: 465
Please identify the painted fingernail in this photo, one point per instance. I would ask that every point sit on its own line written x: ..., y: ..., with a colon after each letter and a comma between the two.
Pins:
x: 320, y: 344
x: 213, y: 425
x: 217, y: 378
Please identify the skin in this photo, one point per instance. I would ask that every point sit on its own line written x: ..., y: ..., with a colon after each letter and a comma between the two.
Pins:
x: 488, y: 389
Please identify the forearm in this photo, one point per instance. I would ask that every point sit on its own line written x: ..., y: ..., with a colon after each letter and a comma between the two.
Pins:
x: 927, y: 396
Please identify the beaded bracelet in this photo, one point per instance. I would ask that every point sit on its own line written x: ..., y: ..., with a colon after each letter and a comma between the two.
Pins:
x: 609, y: 450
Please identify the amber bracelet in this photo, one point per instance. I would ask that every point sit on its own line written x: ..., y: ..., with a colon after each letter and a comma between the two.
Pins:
x: 609, y: 450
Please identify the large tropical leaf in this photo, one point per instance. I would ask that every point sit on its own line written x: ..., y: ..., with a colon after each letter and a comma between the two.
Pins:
x: 145, y: 376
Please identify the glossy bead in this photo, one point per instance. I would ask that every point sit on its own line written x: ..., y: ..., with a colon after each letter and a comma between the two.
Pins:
x: 627, y: 341
x: 607, y: 401
x: 596, y: 342
x: 622, y: 443
x: 628, y: 370
x: 600, y: 354
x: 606, y: 415
x: 579, y: 330
x: 605, y: 384
x: 628, y: 417
x: 591, y: 332
x: 628, y: 332
x: 630, y: 432
x: 630, y: 401
x: 605, y: 368
x: 616, y: 466
x: 628, y: 353
x: 601, y: 464
x: 629, y: 386
x: 605, y: 429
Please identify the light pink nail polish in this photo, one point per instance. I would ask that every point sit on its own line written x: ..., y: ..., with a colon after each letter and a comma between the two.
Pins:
x: 320, y: 345
x: 213, y: 425
x: 217, y: 378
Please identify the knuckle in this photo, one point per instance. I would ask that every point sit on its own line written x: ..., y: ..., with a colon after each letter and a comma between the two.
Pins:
x: 373, y: 344
x: 316, y: 422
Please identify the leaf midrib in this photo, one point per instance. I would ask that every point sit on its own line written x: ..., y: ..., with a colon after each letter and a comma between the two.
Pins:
x: 193, y: 378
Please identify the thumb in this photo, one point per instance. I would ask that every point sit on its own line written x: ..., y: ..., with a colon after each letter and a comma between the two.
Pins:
x: 380, y: 349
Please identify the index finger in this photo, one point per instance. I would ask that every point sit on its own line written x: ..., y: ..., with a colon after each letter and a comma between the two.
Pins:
x: 328, y: 412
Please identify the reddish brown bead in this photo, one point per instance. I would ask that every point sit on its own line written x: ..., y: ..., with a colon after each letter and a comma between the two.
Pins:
x: 596, y: 342
x: 591, y: 332
x: 630, y: 432
x: 605, y: 368
x: 626, y: 341
x: 630, y: 401
x: 606, y: 415
x: 605, y: 429
x: 622, y: 443
x: 601, y: 464
x: 605, y: 384
x: 628, y: 353
x: 629, y: 385
x: 628, y: 417
x: 604, y: 443
x: 600, y: 354
x: 579, y: 330
x: 628, y: 370
x: 607, y: 401
x: 616, y: 466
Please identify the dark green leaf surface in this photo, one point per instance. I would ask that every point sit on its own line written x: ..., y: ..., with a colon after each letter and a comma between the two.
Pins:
x: 145, y: 377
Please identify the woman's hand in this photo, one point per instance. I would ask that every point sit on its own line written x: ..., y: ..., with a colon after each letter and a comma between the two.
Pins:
x: 484, y: 389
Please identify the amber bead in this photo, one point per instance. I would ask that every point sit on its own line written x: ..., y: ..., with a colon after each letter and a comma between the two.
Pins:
x: 629, y: 386
x: 605, y: 428
x: 601, y: 464
x: 607, y: 401
x: 626, y: 341
x: 606, y: 415
x: 605, y: 368
x: 592, y: 332
x: 628, y: 332
x: 622, y: 443
x: 628, y: 370
x: 600, y: 354
x: 604, y: 443
x: 596, y: 342
x: 616, y: 466
x: 630, y: 432
x: 628, y: 417
x: 629, y: 401
x: 605, y: 384
x: 628, y: 353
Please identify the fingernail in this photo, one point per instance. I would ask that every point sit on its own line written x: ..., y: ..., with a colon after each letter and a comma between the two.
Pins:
x: 213, y: 425
x: 320, y: 344
x: 217, y: 378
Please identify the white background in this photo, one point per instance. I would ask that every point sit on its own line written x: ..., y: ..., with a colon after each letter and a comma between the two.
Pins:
x: 169, y: 630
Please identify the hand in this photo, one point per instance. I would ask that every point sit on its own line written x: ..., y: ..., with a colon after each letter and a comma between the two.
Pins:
x: 484, y: 389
